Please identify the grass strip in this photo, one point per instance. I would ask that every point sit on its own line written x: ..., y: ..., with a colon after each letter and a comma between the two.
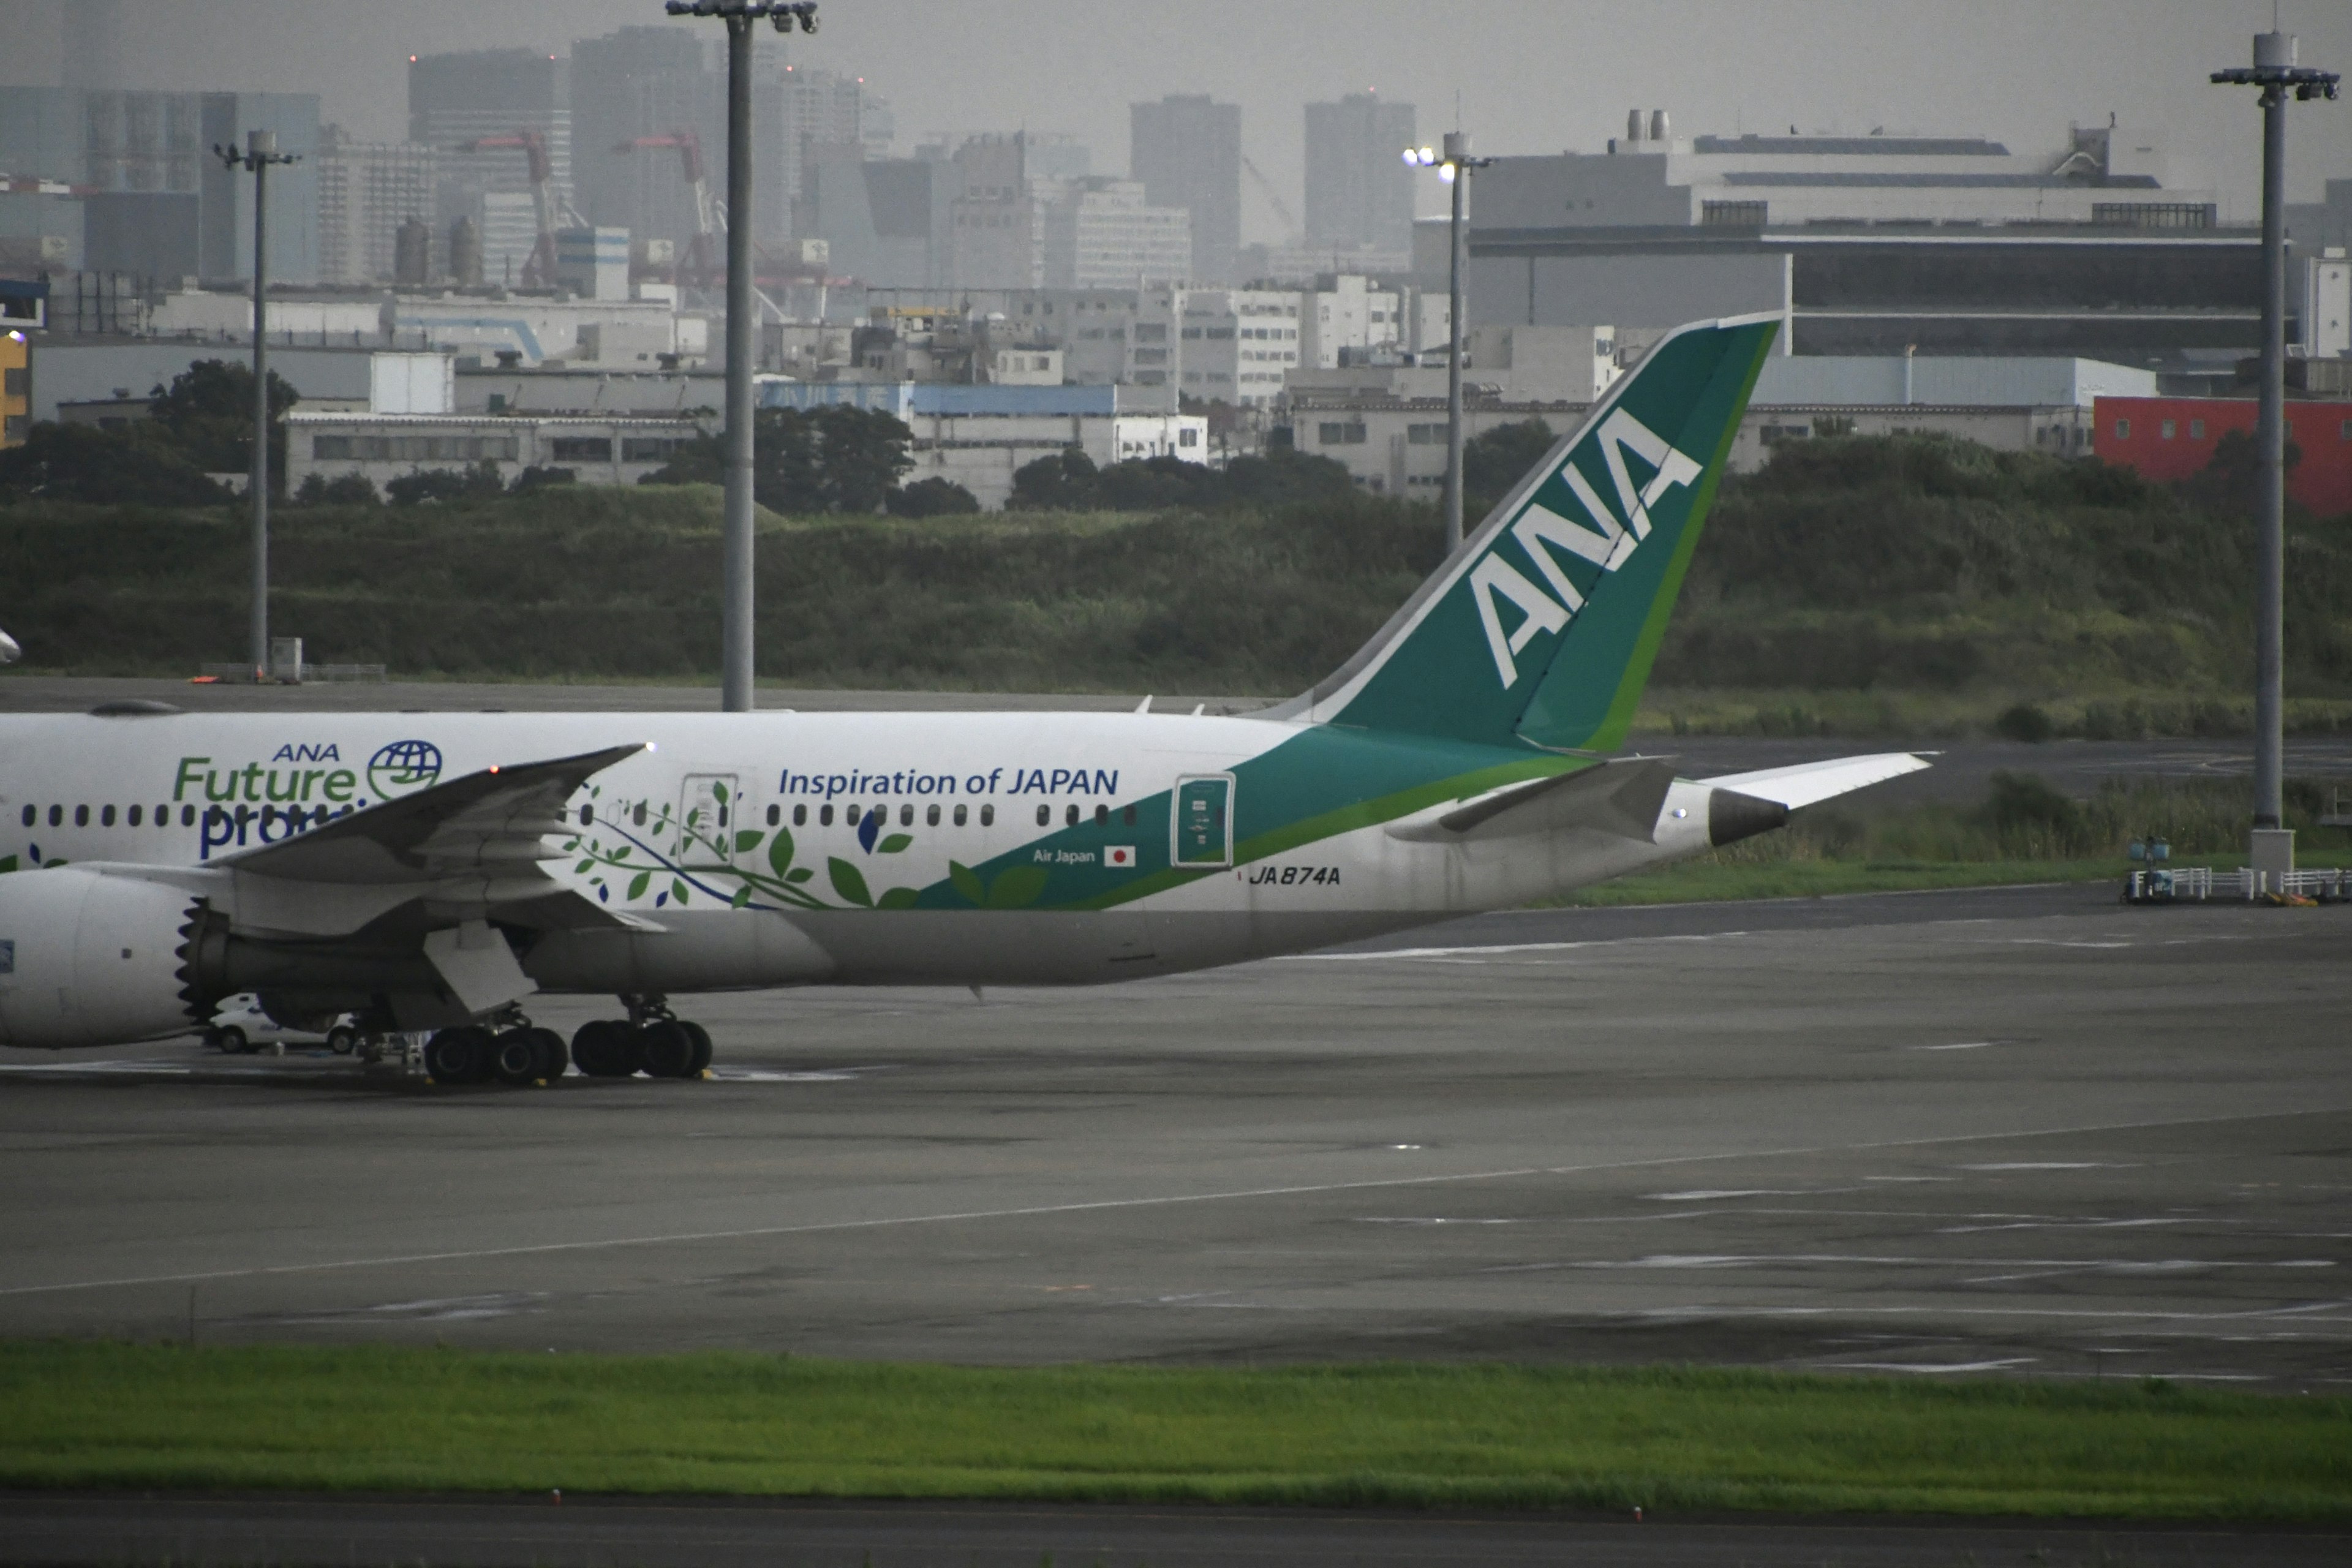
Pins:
x: 387, y: 1419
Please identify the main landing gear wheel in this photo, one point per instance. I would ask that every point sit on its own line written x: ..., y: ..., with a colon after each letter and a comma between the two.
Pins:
x: 553, y: 1057
x: 462, y: 1055
x: 515, y: 1056
x: 343, y: 1039
x: 701, y: 1047
x: 605, y: 1048
x: 669, y: 1049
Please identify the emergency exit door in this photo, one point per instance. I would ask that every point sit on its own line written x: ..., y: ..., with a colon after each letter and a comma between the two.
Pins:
x: 1203, y: 824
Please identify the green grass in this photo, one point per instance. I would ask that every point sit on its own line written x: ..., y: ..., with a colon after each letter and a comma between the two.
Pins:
x: 1712, y: 880
x: 119, y: 1416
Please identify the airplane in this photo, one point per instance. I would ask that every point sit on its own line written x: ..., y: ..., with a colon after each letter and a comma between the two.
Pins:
x: 433, y: 871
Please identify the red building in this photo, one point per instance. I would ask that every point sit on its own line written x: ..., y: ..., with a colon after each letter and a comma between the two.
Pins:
x: 2173, y: 437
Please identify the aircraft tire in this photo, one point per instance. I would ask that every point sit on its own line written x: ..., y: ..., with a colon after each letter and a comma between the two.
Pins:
x: 553, y: 1058
x: 515, y: 1056
x: 232, y: 1041
x: 343, y: 1039
x: 701, y: 1038
x: 601, y: 1049
x: 459, y: 1056
x: 666, y: 1048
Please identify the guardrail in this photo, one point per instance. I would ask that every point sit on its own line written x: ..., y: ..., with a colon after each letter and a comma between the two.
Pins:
x: 2203, y: 884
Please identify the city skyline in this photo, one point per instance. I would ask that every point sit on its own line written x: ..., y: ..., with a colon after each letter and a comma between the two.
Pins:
x: 1906, y: 67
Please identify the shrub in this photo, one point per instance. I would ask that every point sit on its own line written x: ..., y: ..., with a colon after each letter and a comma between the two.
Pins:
x: 930, y: 498
x: 2024, y: 722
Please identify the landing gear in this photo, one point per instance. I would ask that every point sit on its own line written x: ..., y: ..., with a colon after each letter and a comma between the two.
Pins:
x: 515, y: 1051
x: 463, y: 1054
x: 650, y: 1040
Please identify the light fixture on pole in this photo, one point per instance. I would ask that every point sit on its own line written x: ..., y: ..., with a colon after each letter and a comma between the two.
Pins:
x: 260, y: 152
x: 2276, y: 72
x: 1454, y: 166
x: 735, y: 602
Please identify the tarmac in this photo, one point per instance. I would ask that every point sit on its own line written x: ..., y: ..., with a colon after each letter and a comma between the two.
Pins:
x: 2027, y: 1132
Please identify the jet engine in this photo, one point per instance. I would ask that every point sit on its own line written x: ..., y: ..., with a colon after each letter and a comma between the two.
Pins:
x: 88, y: 958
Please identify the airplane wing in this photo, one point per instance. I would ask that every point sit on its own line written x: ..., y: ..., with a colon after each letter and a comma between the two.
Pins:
x: 493, y: 821
x: 1809, y: 783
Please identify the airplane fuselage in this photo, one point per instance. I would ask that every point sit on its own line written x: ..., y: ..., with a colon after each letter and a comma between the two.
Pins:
x: 794, y: 848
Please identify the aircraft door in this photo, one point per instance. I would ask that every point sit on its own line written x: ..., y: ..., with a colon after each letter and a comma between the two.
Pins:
x: 1203, y: 825
x: 708, y: 810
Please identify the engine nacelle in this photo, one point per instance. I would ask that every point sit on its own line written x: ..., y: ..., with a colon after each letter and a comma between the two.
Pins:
x: 86, y: 959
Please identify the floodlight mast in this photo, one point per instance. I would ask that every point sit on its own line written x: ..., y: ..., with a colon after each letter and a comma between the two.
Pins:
x: 1454, y: 166
x: 260, y: 152
x: 2276, y: 72
x: 736, y: 602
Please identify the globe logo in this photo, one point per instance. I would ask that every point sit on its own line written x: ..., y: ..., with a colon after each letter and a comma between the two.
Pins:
x: 401, y: 766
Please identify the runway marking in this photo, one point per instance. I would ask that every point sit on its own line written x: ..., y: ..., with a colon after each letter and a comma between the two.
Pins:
x: 2301, y: 1313
x: 1962, y: 1045
x: 1097, y: 1205
x: 1482, y: 951
x: 1936, y: 1368
x: 2049, y: 1165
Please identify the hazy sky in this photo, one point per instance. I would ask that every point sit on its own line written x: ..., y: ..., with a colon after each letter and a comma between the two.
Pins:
x: 1532, y: 76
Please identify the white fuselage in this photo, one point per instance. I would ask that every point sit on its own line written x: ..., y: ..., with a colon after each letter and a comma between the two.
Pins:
x: 1089, y: 800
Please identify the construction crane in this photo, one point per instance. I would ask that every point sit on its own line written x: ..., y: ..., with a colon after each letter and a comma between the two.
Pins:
x: 699, y: 266
x: 539, y: 272
x: 1266, y: 188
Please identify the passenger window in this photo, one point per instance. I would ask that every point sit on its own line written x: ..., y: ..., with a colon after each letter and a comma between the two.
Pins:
x: 775, y: 815
x: 907, y: 815
x: 216, y: 817
x: 960, y: 817
x: 931, y: 817
x: 269, y: 816
x: 106, y: 816
x: 1045, y: 814
x: 587, y: 816
x: 81, y: 817
x: 851, y: 815
x: 823, y: 813
x: 188, y: 816
x: 988, y: 817
x: 638, y: 815
x: 1070, y: 818
x: 1102, y: 816
x: 137, y: 812
x: 1126, y: 815
x: 800, y: 817
x: 56, y: 817
x: 31, y: 812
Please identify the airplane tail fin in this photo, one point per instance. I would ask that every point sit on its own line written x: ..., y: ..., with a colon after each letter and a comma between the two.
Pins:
x: 1542, y: 630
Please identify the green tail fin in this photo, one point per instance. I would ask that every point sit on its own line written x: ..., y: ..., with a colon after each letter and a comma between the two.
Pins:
x: 1542, y: 630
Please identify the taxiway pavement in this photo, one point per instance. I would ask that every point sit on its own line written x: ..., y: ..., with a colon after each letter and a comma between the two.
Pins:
x: 2021, y: 1131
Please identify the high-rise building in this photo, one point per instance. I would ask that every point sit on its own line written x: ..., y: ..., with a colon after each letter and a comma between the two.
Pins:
x: 1358, y: 189
x: 997, y: 215
x: 653, y: 84
x: 1101, y: 234
x: 453, y: 99
x: 1187, y: 150
x: 156, y: 200
x: 366, y: 191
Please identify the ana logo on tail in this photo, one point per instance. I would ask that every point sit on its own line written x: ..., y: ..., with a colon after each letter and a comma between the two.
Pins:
x: 1603, y: 538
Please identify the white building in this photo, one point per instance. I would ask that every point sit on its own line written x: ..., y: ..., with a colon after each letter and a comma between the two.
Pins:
x: 1101, y: 234
x: 1348, y: 315
x: 366, y: 190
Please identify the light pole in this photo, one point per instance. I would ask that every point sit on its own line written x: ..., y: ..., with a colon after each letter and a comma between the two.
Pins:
x: 735, y: 600
x: 1454, y: 166
x: 2276, y: 72
x: 260, y: 152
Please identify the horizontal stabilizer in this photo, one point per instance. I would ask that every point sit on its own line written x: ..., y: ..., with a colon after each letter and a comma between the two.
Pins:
x: 1808, y: 782
x: 1621, y: 798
